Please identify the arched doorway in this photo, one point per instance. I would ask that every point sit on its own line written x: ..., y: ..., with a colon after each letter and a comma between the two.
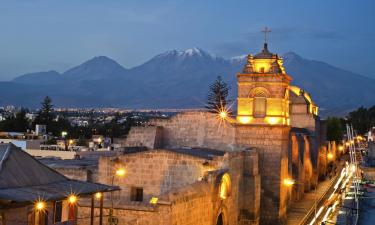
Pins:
x: 220, y: 219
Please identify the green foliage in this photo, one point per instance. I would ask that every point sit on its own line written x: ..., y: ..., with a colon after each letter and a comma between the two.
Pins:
x: 217, y: 98
x: 362, y: 119
x: 45, y: 115
x: 334, y: 129
x: 17, y: 123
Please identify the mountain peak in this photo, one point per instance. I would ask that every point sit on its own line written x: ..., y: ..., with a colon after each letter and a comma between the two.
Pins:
x: 289, y: 56
x: 95, y: 68
x: 194, y: 51
x: 101, y: 60
x: 190, y: 52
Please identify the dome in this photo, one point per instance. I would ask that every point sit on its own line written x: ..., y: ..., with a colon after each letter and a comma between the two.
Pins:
x: 265, y: 53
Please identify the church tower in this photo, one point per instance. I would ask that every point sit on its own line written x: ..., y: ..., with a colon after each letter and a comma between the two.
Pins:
x: 263, y: 94
x: 263, y: 122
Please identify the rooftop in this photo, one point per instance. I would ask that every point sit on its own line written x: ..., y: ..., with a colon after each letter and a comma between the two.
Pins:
x: 23, y: 179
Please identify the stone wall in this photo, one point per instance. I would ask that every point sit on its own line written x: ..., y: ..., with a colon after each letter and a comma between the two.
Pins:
x: 187, y: 188
x: 273, y: 144
x: 303, y: 121
x: 83, y: 174
x: 149, y: 136
x: 193, y: 129
x: 156, y: 171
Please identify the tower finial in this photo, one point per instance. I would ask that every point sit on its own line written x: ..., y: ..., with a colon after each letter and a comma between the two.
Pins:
x: 265, y: 31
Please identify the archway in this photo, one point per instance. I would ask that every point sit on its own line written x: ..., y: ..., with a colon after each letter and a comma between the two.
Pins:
x: 220, y: 219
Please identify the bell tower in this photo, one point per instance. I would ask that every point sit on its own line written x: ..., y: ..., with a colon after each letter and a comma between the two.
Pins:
x: 263, y: 95
x: 263, y: 122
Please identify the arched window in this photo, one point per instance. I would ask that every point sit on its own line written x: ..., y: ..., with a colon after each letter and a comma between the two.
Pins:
x: 259, y: 95
x: 225, y: 186
x: 220, y: 220
x: 260, y: 105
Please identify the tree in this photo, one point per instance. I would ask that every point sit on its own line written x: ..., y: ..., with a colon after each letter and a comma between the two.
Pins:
x: 217, y: 99
x: 362, y: 119
x: 45, y: 115
x: 17, y: 123
x: 21, y: 123
x: 334, y: 129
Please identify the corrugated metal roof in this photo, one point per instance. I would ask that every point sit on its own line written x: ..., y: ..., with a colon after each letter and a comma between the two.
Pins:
x: 25, y: 179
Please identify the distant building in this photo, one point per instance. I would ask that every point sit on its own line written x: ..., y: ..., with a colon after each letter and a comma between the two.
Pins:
x: 40, y: 129
x: 371, y: 134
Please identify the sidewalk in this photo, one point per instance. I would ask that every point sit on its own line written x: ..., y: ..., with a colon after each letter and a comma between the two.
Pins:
x: 298, y: 210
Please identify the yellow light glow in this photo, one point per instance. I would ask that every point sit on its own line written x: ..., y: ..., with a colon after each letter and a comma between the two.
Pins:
x: 72, y: 199
x: 154, y: 200
x: 120, y: 172
x: 98, y: 195
x: 330, y: 156
x: 223, y: 114
x: 225, y: 186
x: 347, y: 143
x: 71, y: 142
x: 40, y: 205
x: 341, y: 147
x: 262, y: 65
x: 273, y: 120
x: 288, y: 182
x: 244, y: 119
x: 352, y: 142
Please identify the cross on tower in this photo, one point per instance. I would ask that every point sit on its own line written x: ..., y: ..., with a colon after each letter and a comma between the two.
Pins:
x: 265, y: 31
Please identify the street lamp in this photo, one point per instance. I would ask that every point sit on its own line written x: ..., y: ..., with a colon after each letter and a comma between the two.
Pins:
x: 120, y: 172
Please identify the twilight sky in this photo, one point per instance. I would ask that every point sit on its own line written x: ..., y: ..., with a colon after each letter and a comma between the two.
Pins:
x: 40, y: 35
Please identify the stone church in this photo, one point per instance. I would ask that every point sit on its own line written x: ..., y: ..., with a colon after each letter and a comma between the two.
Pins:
x: 202, y: 168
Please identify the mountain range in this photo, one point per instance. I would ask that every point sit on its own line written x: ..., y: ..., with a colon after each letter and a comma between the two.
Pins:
x: 178, y: 79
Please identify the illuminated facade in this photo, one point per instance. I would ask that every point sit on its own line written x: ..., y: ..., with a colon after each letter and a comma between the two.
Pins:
x: 263, y: 90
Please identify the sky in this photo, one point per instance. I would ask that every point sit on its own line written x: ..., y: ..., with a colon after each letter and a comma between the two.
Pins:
x: 42, y: 35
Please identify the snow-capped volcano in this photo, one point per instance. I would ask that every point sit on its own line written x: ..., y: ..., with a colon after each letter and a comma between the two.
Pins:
x: 179, y: 79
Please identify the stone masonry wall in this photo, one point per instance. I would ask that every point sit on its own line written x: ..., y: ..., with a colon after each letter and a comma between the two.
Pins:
x: 191, y: 194
x: 193, y: 129
x: 273, y: 144
x: 149, y: 136
x: 156, y: 171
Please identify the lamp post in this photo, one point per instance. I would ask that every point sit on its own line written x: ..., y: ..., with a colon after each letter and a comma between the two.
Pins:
x: 120, y: 172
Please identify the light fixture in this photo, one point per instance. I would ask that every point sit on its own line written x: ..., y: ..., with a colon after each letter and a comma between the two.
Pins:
x: 288, y: 182
x: 223, y: 114
x: 72, y: 199
x: 40, y: 205
x: 120, y: 172
x: 154, y: 200
x: 98, y: 195
x: 330, y: 156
